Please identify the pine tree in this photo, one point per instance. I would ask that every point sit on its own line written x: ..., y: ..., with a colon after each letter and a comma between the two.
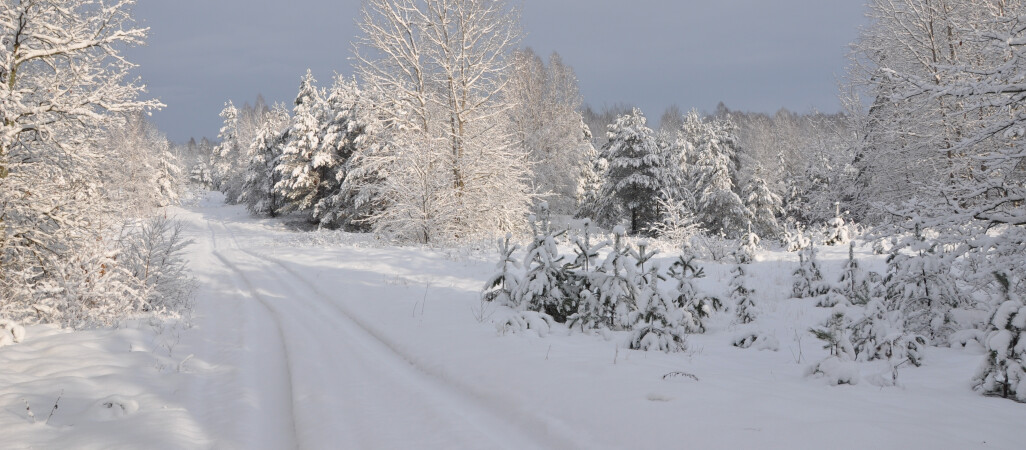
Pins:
x: 339, y: 138
x: 837, y: 231
x: 853, y: 287
x: 264, y: 156
x: 694, y: 307
x: 501, y: 286
x: 1003, y: 372
x: 764, y: 205
x: 656, y: 323
x: 740, y: 294
x: 632, y: 181
x: 880, y: 334
x: 616, y: 289
x: 720, y: 209
x: 835, y: 335
x: 922, y: 287
x: 582, y: 278
x: 303, y: 164
x: 544, y: 287
x: 227, y: 152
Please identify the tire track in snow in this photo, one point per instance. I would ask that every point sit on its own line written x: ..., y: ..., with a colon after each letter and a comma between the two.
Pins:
x: 523, y: 430
x: 281, y: 335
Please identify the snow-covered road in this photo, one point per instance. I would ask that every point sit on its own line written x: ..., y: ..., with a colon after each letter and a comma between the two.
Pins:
x: 325, y: 379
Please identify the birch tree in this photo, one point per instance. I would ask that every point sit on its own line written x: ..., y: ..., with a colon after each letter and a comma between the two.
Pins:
x: 441, y: 66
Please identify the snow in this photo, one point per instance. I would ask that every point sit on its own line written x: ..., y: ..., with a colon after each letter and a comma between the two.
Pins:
x: 345, y: 342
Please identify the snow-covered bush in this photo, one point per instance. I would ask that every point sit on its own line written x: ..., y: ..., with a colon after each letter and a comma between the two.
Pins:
x: 1003, y: 372
x: 794, y: 238
x: 520, y: 322
x: 11, y: 332
x: 836, y: 370
x: 757, y: 340
x: 837, y: 231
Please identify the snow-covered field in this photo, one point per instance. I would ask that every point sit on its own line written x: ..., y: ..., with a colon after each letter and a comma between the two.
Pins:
x: 315, y: 341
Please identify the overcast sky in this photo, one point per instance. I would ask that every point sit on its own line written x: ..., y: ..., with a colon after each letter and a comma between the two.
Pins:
x: 757, y: 55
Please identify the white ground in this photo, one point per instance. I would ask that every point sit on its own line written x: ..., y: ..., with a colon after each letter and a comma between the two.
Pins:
x: 331, y: 341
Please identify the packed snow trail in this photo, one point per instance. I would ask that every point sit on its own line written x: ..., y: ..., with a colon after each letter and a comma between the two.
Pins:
x: 348, y: 386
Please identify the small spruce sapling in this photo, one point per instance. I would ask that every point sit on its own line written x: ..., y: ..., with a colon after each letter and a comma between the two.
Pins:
x: 504, y: 282
x: 1003, y: 372
x: 852, y: 288
x: 808, y: 280
x: 656, y: 322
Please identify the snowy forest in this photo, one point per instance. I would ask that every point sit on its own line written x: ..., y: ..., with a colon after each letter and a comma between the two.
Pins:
x: 897, y: 225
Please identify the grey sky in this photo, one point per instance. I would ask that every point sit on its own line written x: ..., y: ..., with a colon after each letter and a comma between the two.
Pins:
x: 757, y: 55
